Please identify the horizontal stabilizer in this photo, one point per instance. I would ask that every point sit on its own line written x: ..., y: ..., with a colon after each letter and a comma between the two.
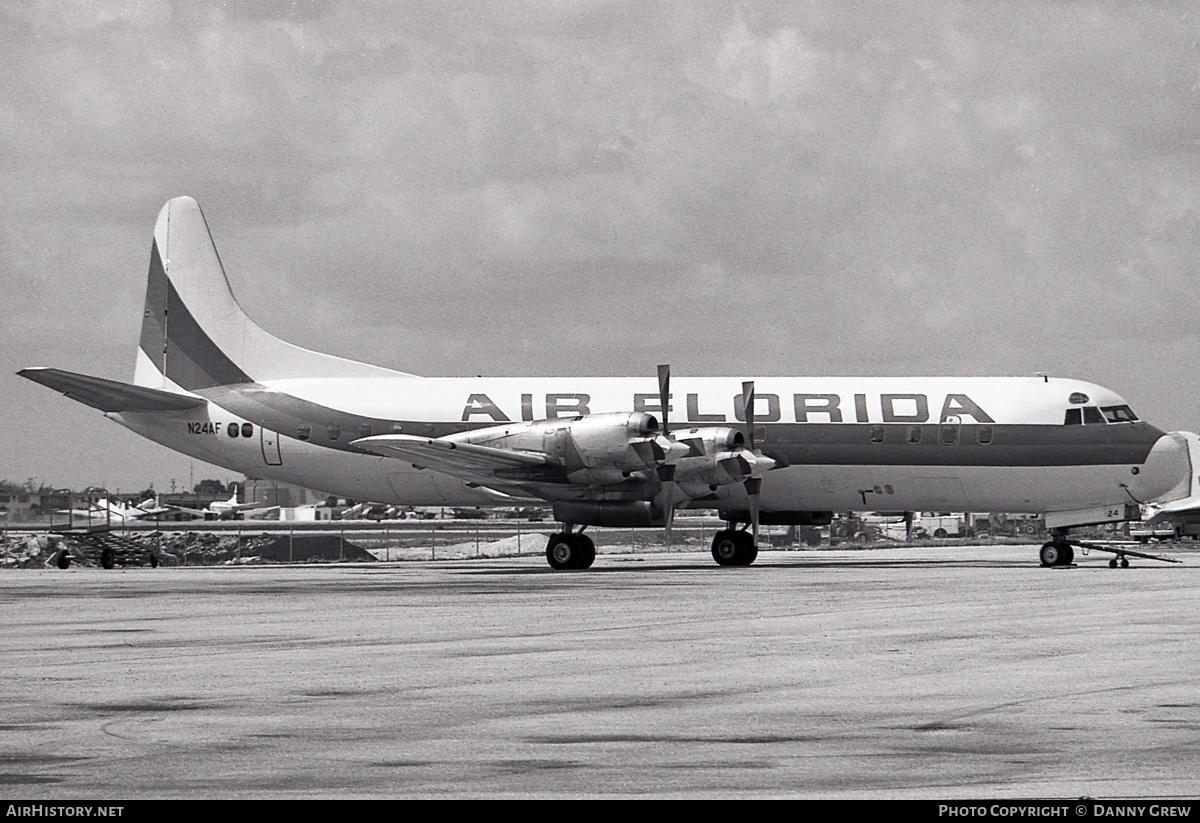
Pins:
x: 111, y: 395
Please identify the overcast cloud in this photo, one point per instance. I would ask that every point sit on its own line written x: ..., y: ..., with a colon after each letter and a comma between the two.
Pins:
x: 598, y: 187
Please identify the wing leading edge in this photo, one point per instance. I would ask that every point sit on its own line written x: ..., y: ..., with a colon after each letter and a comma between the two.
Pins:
x: 465, y: 460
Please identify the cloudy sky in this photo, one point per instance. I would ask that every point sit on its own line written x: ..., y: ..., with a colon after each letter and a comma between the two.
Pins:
x: 597, y: 187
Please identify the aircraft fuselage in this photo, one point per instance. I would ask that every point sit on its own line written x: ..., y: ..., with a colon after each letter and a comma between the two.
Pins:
x: 955, y: 444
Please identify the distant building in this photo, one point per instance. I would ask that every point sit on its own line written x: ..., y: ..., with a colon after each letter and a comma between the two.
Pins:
x: 273, y: 493
x: 22, y: 502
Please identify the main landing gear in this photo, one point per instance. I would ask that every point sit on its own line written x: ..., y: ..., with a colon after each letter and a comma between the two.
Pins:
x: 732, y: 547
x: 570, y: 550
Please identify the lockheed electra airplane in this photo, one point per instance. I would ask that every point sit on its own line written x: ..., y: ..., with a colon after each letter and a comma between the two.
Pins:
x: 628, y: 452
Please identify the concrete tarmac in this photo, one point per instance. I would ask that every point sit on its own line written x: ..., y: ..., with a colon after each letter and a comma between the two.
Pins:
x: 935, y: 673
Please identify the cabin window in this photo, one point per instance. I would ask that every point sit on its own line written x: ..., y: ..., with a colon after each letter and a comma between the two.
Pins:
x: 1118, y: 414
x: 914, y: 434
x: 877, y: 434
x: 984, y: 435
x: 1074, y: 417
x: 247, y: 430
x: 365, y: 430
x: 303, y: 431
x: 335, y: 432
x: 1092, y: 416
x: 948, y: 435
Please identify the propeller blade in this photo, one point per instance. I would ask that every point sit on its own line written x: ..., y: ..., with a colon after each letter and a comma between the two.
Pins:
x: 666, y: 474
x: 759, y: 463
x: 664, y: 394
x: 748, y: 405
x: 753, y: 486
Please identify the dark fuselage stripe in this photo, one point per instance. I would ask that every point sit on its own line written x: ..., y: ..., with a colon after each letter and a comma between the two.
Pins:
x: 790, y: 443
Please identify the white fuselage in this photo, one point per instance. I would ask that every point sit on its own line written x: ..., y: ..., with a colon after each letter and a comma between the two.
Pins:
x: 845, y: 443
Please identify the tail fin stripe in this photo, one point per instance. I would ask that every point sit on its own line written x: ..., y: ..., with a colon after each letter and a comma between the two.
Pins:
x: 154, y: 332
x: 194, y: 333
x: 193, y: 359
x: 175, y: 343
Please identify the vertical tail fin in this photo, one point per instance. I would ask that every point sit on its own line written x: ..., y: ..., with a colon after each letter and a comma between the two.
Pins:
x: 194, y: 333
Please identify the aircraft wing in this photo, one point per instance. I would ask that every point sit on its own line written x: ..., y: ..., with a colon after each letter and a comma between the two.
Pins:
x: 1157, y: 513
x: 465, y: 460
x: 111, y: 395
x: 263, y: 513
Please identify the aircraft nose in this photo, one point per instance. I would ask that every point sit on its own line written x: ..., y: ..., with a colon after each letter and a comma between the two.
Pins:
x: 1166, y: 467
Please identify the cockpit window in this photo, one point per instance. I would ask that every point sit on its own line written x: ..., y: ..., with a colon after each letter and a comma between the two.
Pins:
x: 1119, y: 414
x: 1093, y: 416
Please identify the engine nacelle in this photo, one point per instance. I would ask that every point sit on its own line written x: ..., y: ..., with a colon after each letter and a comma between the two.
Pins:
x: 597, y: 448
x: 718, y: 457
x: 619, y: 514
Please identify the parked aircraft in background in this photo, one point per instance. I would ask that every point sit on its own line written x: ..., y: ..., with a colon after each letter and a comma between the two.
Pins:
x: 227, y: 509
x: 624, y: 452
x: 105, y: 510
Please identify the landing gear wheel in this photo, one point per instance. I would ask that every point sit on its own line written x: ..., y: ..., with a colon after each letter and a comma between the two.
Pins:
x: 108, y: 558
x: 587, y: 551
x: 63, y: 560
x: 1112, y: 564
x: 154, y: 561
x: 570, y: 551
x: 1056, y: 554
x: 734, y: 548
x: 1124, y: 562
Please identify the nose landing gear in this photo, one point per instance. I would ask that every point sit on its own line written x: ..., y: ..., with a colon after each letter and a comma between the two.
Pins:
x: 1059, y: 552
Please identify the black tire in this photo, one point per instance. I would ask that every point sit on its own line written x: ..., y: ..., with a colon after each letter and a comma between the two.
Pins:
x: 734, y: 548
x: 153, y: 561
x: 1124, y: 562
x: 587, y: 551
x: 63, y: 560
x: 108, y: 558
x: 725, y: 547
x: 1056, y: 554
x: 570, y: 551
x: 749, y: 549
x: 941, y: 534
x: 1112, y: 564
